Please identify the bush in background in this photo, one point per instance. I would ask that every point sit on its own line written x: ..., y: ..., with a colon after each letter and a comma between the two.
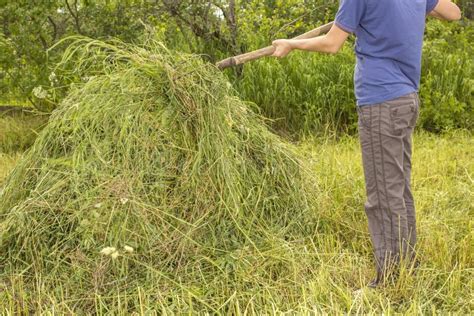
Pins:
x: 303, y: 93
x: 447, y: 85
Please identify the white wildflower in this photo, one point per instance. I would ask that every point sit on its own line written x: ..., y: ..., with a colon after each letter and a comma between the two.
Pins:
x: 124, y: 200
x: 60, y: 10
x: 40, y: 93
x: 98, y: 205
x: 128, y: 249
x: 52, y: 77
x: 107, y: 251
x: 115, y: 255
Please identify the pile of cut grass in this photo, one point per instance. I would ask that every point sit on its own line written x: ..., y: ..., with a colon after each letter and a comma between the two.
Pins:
x: 155, y: 162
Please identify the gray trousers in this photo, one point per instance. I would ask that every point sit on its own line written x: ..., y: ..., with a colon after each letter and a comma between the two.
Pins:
x: 386, y: 131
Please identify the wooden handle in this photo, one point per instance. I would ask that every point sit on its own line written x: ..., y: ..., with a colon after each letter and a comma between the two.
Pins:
x: 269, y: 50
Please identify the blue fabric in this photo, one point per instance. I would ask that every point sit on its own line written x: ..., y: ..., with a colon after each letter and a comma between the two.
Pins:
x: 388, y: 46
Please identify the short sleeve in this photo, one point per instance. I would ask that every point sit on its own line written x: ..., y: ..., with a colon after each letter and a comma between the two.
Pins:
x: 430, y: 5
x: 350, y: 14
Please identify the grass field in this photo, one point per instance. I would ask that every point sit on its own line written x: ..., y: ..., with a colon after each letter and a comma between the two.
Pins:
x: 18, y: 131
x: 323, y: 271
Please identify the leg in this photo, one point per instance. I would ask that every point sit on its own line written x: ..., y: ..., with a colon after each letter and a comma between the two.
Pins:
x: 382, y: 134
x: 408, y: 196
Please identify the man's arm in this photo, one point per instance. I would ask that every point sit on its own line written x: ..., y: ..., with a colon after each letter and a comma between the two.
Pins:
x: 330, y: 43
x: 446, y: 10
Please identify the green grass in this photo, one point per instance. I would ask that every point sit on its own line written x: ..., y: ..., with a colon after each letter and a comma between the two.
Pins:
x: 443, y: 185
x: 7, y: 162
x: 320, y: 272
x: 18, y: 131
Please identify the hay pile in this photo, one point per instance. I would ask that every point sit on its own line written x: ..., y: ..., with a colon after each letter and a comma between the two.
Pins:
x: 158, y: 165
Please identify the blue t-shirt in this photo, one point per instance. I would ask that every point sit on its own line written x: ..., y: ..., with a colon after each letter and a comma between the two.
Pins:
x: 388, y: 46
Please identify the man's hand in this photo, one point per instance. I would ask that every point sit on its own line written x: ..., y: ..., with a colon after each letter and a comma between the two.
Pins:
x: 282, y: 48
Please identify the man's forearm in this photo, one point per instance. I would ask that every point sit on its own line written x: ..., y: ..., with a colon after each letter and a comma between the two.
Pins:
x: 317, y: 44
x: 329, y: 43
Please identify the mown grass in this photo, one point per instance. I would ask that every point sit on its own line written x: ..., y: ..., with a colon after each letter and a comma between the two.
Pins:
x: 321, y: 273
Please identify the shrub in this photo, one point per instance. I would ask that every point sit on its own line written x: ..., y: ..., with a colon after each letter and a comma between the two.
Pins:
x: 447, y: 87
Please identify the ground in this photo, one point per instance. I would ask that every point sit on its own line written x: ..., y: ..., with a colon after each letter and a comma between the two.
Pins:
x: 340, y: 253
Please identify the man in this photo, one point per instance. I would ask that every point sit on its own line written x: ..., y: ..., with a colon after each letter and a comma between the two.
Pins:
x: 387, y: 76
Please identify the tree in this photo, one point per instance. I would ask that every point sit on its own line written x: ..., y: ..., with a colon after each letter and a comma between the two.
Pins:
x: 216, y: 28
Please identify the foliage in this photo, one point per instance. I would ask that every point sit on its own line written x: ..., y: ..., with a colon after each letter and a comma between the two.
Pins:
x: 303, y: 93
x: 467, y: 8
x: 26, y: 64
x: 23, y: 62
x: 447, y: 87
